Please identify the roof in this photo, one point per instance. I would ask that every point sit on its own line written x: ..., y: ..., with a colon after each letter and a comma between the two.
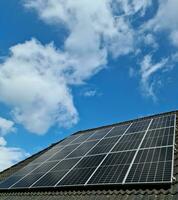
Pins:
x: 145, y: 192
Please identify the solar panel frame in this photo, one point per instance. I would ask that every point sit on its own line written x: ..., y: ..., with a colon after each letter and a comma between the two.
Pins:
x: 157, y: 127
x: 81, y: 158
x: 10, y: 177
x: 87, y: 165
x: 113, y: 166
x: 101, y: 147
x: 86, y: 183
x: 157, y: 123
x: 173, y: 146
x: 35, y: 168
x: 144, y: 159
x: 158, y: 137
x: 61, y: 169
x: 129, y: 141
x: 118, y: 129
x: 126, y: 175
x: 172, y: 164
x: 62, y: 159
x: 99, y: 134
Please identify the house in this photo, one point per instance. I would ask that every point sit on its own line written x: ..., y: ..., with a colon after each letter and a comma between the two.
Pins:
x: 127, y: 186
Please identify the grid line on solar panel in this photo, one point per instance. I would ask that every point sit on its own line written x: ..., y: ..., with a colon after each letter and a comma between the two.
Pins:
x: 130, y: 141
x: 159, y: 137
x: 67, y: 140
x: 83, y: 137
x: 106, y: 156
x: 41, y: 180
x: 103, y: 146
x: 99, y: 134
x: 81, y: 172
x: 82, y: 149
x: 175, y: 121
x: 50, y: 153
x: 139, y: 126
x: 151, y: 165
x: 26, y: 175
x: 118, y: 130
x: 52, y: 177
x: 20, y: 183
x: 81, y: 158
x: 163, y: 121
x: 134, y: 157
x: 113, y: 169
x: 12, y: 181
x: 155, y: 136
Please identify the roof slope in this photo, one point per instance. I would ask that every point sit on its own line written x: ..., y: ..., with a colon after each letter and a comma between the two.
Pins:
x: 147, y: 193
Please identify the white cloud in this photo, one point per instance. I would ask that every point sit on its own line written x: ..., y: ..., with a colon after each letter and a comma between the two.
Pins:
x: 10, y: 155
x: 2, y: 142
x: 131, y: 7
x: 147, y: 70
x: 32, y: 81
x: 93, y: 29
x: 174, y: 37
x: 90, y: 93
x: 6, y: 126
x: 166, y: 19
x: 35, y: 79
x: 149, y: 39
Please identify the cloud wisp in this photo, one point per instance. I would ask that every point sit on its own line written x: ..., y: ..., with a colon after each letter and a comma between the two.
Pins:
x: 147, y: 71
x: 8, y: 155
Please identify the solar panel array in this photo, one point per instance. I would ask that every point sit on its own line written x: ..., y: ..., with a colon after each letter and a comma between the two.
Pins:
x: 130, y: 153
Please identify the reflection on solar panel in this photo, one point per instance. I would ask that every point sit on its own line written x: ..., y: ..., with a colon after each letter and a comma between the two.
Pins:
x: 138, y: 152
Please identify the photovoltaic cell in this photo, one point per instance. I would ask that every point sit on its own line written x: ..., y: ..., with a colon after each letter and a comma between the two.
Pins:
x: 9, y: 182
x: 64, y: 152
x: 52, y: 177
x: 128, y: 142
x: 164, y: 121
x: 67, y: 140
x: 27, y: 180
x: 26, y: 170
x: 158, y: 137
x: 82, y: 171
x: 104, y: 146
x: 44, y: 167
x: 138, y: 126
x: 82, y: 137
x: 151, y: 165
x: 82, y: 149
x: 99, y: 134
x: 113, y: 169
x: 45, y: 156
x: 118, y: 130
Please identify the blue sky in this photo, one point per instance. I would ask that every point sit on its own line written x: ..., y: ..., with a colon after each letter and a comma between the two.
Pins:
x: 73, y: 65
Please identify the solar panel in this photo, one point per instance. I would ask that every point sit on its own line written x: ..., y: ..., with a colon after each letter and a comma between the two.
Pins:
x: 103, y: 146
x: 159, y: 137
x: 100, y: 134
x: 82, y: 171
x: 52, y: 177
x: 151, y: 165
x: 113, y: 169
x: 138, y: 126
x: 118, y: 130
x: 129, y: 142
x: 139, y: 152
